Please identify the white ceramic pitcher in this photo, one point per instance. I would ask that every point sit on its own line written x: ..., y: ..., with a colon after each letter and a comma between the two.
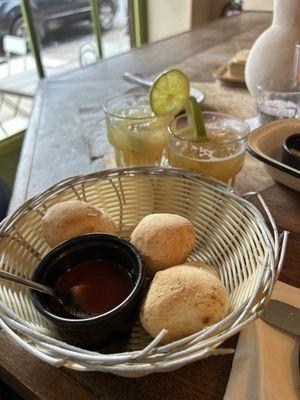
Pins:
x: 272, y: 54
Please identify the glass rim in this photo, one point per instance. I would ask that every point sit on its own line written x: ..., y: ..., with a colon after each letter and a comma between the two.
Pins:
x: 260, y: 86
x: 224, y: 115
x: 132, y: 95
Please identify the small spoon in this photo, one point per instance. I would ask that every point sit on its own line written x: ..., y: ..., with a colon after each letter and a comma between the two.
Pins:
x: 67, y: 299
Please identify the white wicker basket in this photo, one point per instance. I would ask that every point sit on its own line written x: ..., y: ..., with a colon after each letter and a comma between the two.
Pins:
x: 231, y: 235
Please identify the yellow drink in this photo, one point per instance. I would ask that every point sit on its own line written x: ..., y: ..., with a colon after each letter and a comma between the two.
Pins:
x: 220, y: 155
x: 137, y: 136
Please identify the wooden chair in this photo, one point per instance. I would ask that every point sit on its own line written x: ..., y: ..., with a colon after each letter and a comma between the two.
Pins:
x: 14, y: 119
x: 17, y: 120
x: 13, y: 45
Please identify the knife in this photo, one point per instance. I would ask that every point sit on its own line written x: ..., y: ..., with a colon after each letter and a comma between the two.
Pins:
x: 283, y: 316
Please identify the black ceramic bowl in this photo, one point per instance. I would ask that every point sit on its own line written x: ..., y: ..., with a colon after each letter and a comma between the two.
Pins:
x: 104, y: 328
x: 288, y: 157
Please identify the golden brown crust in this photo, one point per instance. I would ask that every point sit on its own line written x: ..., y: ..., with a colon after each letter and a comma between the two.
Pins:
x: 163, y: 240
x: 72, y: 218
x: 183, y: 299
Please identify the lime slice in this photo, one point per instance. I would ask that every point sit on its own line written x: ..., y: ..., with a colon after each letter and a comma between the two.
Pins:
x: 195, y: 118
x: 169, y: 92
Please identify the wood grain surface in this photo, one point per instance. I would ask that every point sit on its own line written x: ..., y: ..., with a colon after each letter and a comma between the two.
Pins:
x: 55, y: 148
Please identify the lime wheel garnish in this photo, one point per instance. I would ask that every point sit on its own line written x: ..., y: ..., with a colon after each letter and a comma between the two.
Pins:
x: 169, y: 92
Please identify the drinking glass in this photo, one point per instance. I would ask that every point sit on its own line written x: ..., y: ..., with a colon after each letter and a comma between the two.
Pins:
x: 278, y: 99
x: 296, y: 62
x: 137, y: 135
x: 221, y: 158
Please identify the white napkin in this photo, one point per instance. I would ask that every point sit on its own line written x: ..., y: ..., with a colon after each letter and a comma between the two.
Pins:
x: 265, y: 365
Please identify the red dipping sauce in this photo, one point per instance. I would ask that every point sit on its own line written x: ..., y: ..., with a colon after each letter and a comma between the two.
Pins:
x: 103, y: 285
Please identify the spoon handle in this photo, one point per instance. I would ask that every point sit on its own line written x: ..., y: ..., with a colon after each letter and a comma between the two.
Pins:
x: 136, y: 78
x: 25, y: 282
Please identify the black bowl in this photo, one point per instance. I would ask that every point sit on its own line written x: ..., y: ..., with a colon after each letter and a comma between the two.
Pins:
x: 101, y: 329
x: 291, y: 142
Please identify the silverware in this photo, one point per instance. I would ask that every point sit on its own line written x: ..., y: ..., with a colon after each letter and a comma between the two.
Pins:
x: 26, y: 282
x: 137, y: 78
x: 146, y: 83
x: 283, y: 316
x: 67, y: 298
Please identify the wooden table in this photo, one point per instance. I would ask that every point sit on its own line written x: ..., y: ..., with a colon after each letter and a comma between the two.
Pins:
x: 54, y: 149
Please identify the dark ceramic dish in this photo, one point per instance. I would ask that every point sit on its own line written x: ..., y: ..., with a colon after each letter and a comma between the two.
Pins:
x: 101, y: 329
x: 288, y: 157
x: 266, y: 143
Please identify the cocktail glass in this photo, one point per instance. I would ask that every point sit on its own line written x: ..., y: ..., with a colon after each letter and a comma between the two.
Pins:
x: 220, y: 155
x: 137, y: 135
x: 296, y: 63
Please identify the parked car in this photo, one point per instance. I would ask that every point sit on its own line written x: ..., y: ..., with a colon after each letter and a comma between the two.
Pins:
x: 48, y: 12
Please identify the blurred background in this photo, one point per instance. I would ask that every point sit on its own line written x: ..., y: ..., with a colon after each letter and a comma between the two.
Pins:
x: 41, y: 38
x: 65, y: 31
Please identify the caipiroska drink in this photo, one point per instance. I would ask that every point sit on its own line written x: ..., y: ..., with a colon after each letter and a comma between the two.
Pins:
x: 138, y: 125
x: 137, y: 135
x: 220, y: 154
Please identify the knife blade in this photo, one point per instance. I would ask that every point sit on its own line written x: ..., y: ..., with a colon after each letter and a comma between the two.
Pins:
x: 283, y: 316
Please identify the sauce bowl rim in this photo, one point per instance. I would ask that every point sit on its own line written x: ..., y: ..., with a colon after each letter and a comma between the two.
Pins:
x: 87, y: 238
